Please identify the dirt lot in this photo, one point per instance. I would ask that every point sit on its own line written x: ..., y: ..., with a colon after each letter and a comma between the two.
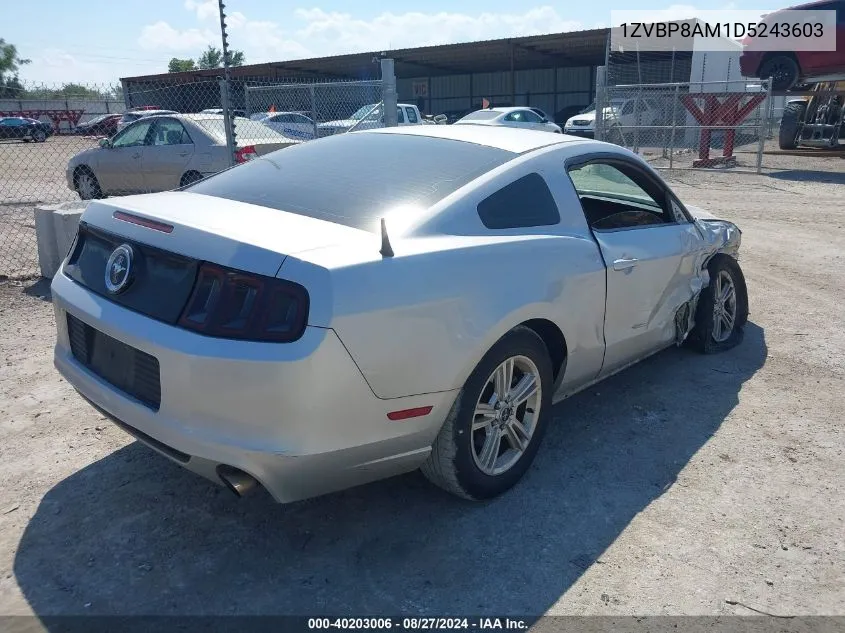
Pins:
x: 679, y: 485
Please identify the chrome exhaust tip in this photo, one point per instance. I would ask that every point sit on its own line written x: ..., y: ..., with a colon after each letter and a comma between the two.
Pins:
x: 236, y: 480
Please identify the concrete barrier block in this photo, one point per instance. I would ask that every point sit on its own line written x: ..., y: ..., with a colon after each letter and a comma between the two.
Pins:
x: 46, y: 237
x: 55, y: 228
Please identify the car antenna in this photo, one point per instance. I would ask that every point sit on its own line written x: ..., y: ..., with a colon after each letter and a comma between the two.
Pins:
x: 386, y: 249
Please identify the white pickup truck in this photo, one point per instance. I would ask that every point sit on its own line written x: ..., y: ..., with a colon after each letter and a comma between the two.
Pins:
x: 369, y: 117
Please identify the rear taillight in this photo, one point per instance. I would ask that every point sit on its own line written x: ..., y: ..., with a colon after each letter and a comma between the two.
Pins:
x: 228, y: 303
x: 244, y: 154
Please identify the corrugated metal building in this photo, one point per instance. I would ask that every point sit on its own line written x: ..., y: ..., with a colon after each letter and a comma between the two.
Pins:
x: 552, y: 72
x: 555, y: 72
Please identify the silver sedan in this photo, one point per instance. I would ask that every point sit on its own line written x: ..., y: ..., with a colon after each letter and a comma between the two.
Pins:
x: 370, y: 303
x: 163, y: 152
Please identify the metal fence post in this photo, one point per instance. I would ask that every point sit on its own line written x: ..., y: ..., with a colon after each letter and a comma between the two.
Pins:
x: 227, y: 119
x: 674, y: 124
x: 311, y: 93
x: 601, y: 86
x: 389, y: 96
x: 637, y: 120
x: 761, y: 130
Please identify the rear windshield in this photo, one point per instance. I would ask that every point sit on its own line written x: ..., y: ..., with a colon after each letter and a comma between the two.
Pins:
x: 481, y: 115
x: 244, y: 129
x: 356, y: 178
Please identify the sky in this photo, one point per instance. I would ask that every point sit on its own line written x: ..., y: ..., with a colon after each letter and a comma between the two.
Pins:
x: 99, y: 41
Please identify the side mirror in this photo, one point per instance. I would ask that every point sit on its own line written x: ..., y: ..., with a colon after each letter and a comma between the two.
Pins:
x: 105, y: 143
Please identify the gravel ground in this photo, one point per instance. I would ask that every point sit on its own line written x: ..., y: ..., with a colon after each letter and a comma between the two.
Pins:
x: 675, y: 487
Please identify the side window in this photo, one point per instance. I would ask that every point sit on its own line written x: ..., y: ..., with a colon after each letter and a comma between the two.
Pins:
x: 628, y: 108
x: 531, y: 116
x: 618, y: 196
x: 516, y: 117
x: 169, y: 132
x: 400, y: 117
x: 524, y: 203
x: 133, y: 135
x: 412, y: 115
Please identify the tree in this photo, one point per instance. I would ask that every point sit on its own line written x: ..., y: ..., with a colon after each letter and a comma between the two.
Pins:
x: 213, y: 58
x: 70, y: 91
x: 10, y: 62
x: 177, y: 65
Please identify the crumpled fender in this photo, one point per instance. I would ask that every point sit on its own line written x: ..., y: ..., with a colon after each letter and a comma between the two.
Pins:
x: 724, y: 236
x: 719, y: 236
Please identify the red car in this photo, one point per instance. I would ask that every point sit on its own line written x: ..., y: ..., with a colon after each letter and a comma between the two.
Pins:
x: 103, y: 125
x: 787, y: 68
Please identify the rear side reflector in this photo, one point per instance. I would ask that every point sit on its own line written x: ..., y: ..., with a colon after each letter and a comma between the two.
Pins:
x: 145, y: 222
x: 409, y: 413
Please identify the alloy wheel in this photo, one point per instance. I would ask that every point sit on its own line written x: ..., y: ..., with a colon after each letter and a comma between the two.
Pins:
x: 506, y: 415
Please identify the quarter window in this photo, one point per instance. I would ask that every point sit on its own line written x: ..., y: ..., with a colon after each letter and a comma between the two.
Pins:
x: 524, y: 203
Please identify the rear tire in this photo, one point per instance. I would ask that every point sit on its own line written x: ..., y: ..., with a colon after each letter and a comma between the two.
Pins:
x: 790, y: 123
x: 39, y: 136
x: 782, y: 69
x: 722, y: 310
x: 488, y: 442
x: 189, y: 178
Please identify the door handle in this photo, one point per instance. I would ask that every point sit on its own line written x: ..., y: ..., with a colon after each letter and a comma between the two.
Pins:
x: 624, y: 264
x: 183, y: 153
x: 136, y: 155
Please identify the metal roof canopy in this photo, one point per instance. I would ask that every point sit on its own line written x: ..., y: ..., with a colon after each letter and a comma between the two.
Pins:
x: 575, y: 48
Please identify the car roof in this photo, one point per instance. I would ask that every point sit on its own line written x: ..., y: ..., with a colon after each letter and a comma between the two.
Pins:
x: 507, y: 109
x: 151, y: 112
x: 505, y: 138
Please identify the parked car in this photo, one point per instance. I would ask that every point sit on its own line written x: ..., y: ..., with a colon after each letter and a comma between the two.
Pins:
x: 619, y: 112
x: 133, y: 115
x: 293, y: 124
x: 370, y: 117
x: 789, y: 68
x: 236, y: 112
x: 519, y: 117
x: 162, y: 152
x: 288, y: 324
x: 103, y: 125
x: 25, y: 129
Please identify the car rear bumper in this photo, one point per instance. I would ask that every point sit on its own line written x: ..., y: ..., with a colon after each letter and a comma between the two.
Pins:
x: 298, y: 417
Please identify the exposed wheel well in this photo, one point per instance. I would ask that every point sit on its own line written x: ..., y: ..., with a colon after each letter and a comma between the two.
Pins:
x: 772, y: 54
x: 554, y: 341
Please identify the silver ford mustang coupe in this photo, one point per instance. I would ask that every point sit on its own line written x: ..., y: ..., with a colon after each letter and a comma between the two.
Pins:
x: 371, y: 303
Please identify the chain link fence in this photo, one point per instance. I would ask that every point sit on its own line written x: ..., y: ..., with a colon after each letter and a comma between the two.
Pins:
x: 685, y: 109
x: 60, y: 144
x: 687, y: 125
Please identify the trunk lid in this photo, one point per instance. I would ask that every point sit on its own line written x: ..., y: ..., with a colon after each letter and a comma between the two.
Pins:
x: 205, y: 228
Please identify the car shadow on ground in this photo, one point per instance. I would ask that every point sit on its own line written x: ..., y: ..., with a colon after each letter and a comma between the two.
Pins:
x: 135, y: 534
x: 802, y: 175
x: 40, y: 290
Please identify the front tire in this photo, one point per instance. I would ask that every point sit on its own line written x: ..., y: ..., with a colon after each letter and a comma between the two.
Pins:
x: 87, y: 185
x: 793, y: 115
x: 722, y: 309
x: 496, y: 425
